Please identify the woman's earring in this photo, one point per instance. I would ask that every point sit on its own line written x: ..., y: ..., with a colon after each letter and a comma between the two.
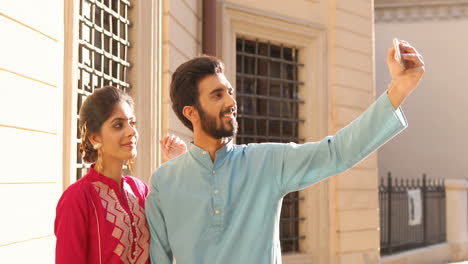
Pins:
x: 99, y: 157
x: 130, y: 165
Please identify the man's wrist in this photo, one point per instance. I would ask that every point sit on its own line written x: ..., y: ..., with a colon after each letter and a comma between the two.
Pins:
x: 396, y: 94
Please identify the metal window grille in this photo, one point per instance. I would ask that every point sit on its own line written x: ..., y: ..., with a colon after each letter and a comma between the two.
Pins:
x: 268, y: 100
x: 102, y: 53
x: 396, y: 234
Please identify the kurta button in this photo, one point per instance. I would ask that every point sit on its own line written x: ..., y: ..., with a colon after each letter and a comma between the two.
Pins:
x: 133, y: 224
x: 216, y: 211
x: 204, y: 152
x: 215, y: 192
x: 214, y: 172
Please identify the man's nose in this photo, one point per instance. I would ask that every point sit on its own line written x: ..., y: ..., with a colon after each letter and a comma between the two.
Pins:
x: 231, y: 101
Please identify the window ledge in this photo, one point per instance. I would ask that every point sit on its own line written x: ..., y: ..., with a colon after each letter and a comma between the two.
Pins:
x: 297, y: 258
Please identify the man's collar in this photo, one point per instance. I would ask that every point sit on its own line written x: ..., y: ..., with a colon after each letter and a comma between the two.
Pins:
x: 204, y: 155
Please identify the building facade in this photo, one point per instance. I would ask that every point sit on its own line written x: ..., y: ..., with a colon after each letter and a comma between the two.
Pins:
x: 307, y: 65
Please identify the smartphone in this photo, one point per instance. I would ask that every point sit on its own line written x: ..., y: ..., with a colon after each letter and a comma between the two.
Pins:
x: 396, y: 46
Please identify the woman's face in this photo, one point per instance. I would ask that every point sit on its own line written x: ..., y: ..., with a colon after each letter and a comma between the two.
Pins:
x: 119, y: 135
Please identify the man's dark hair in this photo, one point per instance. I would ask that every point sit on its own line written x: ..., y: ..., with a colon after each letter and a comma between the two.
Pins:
x: 185, y: 80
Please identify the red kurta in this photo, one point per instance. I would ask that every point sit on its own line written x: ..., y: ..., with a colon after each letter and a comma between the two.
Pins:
x: 99, y: 222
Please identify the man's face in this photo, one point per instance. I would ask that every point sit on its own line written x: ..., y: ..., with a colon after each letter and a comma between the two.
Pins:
x: 217, y: 107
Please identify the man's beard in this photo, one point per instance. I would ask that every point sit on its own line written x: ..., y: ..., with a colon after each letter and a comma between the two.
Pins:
x: 208, y: 123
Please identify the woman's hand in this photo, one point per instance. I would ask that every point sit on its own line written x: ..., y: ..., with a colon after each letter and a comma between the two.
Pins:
x: 172, y: 146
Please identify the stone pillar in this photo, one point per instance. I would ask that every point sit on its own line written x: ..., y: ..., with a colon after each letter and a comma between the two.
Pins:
x: 457, y: 218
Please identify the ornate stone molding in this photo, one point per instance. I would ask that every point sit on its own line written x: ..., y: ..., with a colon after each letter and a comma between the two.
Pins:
x: 398, y: 11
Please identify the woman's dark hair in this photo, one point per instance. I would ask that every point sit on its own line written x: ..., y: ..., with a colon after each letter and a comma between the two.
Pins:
x: 96, y: 109
x: 185, y: 80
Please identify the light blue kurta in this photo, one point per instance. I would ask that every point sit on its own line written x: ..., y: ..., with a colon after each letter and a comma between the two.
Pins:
x: 227, y: 211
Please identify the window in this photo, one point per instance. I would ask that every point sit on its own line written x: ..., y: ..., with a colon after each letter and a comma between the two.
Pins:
x: 268, y: 99
x: 103, y: 52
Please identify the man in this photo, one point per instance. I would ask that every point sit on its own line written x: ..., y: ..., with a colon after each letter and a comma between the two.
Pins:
x: 220, y: 202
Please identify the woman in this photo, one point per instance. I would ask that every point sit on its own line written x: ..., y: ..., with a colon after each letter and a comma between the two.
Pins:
x: 101, y: 218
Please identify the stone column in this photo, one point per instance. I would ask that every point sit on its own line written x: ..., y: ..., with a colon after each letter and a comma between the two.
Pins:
x: 457, y: 218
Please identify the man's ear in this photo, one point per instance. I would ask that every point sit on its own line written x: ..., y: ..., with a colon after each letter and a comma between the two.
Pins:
x: 191, y: 113
x: 95, y: 139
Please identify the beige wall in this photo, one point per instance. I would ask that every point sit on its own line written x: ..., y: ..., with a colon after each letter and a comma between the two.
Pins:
x: 181, y: 42
x: 31, y: 71
x: 436, y: 140
x: 354, y: 194
x: 307, y: 10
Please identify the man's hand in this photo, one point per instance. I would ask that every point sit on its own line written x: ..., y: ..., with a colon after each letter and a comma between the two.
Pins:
x: 404, y: 80
x: 172, y: 146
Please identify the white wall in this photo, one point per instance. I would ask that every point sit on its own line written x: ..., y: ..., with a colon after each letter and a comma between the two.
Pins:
x: 31, y: 111
x: 436, y: 140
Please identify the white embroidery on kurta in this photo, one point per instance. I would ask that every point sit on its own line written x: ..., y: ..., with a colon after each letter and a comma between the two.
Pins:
x: 123, y: 225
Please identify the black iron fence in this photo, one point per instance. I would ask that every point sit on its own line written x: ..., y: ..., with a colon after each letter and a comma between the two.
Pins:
x: 412, y: 213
